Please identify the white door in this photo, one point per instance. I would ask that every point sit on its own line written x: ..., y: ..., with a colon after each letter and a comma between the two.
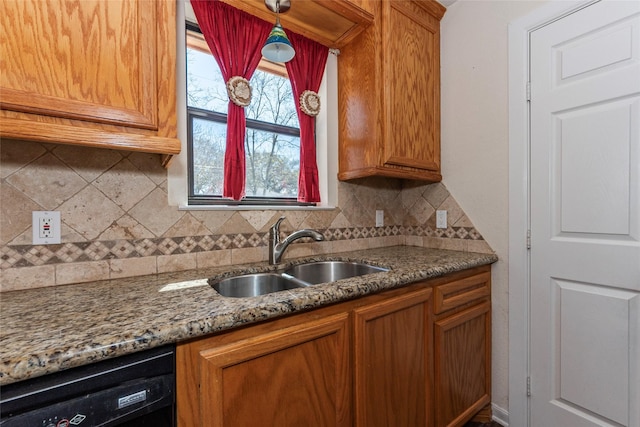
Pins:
x: 585, y: 218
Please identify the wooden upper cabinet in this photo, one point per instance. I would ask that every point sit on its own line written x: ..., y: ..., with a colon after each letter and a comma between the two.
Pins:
x: 389, y: 94
x: 90, y: 72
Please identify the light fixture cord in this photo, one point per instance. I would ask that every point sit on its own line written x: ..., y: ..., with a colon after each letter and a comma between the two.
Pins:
x: 278, y: 12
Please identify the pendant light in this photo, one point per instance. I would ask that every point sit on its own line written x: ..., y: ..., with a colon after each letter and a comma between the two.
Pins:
x: 278, y: 48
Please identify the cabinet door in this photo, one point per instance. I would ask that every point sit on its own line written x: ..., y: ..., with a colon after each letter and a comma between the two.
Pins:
x: 90, y: 60
x: 392, y: 361
x: 462, y: 365
x: 296, y: 376
x: 411, y: 49
x: 89, y: 72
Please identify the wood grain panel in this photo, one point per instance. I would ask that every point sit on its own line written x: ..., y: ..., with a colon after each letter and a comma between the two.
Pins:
x: 462, y: 365
x: 292, y: 377
x: 82, y: 59
x: 188, y: 383
x: 392, y: 361
x: 433, y: 8
x: 55, y: 133
x: 332, y: 23
x: 391, y: 171
x: 461, y: 292
x: 412, y: 124
x: 389, y: 94
x: 95, y: 73
x: 166, y: 79
x: 367, y: 5
x: 359, y: 101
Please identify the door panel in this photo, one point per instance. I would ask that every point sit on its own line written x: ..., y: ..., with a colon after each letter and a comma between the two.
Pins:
x: 585, y: 219
x: 591, y: 324
x: 591, y: 137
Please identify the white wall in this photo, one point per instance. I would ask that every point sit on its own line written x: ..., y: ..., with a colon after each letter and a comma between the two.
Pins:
x: 474, y: 55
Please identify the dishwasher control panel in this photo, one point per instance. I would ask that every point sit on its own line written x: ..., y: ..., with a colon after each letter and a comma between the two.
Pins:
x: 132, y: 390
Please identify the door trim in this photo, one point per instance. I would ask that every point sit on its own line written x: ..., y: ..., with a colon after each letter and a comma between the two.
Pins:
x: 519, y: 140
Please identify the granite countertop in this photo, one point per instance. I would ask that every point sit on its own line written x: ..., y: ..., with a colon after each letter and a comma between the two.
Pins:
x: 49, y: 329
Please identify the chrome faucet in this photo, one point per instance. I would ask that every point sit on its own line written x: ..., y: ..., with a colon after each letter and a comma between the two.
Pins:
x: 276, y: 247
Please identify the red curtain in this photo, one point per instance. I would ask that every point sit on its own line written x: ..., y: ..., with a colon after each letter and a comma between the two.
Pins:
x: 235, y: 39
x: 305, y: 73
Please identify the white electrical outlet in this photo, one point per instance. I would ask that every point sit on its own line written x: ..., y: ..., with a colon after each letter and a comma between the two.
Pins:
x: 441, y: 219
x: 46, y: 227
x: 379, y: 218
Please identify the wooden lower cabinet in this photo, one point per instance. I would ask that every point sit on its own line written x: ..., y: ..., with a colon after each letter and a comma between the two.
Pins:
x: 409, y: 357
x: 462, y: 349
x: 392, y: 355
x: 295, y: 376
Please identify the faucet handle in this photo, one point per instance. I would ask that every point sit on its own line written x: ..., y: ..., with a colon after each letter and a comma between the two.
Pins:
x: 274, y: 230
x: 276, y: 225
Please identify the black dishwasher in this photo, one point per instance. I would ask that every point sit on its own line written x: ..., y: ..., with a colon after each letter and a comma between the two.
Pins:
x: 132, y: 390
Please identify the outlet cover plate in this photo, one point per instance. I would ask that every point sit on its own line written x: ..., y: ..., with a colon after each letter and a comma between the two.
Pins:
x: 46, y: 227
x: 441, y: 219
x: 379, y: 218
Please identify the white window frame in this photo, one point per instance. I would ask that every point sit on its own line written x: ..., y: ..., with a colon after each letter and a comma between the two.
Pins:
x: 326, y: 137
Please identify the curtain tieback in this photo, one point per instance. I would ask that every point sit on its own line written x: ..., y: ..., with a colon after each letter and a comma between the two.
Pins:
x: 239, y: 91
x: 310, y: 103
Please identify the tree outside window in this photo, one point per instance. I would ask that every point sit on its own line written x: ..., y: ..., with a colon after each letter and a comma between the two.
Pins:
x: 272, y: 143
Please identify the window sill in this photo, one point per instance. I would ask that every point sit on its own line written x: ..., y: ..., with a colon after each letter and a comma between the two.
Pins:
x: 253, y: 208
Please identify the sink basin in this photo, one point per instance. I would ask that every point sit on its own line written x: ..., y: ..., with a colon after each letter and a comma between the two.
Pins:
x: 250, y: 285
x: 298, y: 276
x: 330, y: 271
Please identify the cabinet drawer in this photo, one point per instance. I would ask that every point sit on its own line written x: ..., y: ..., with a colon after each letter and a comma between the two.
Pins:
x: 461, y: 292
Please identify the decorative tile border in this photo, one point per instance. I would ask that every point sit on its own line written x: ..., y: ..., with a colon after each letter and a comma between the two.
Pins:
x: 16, y: 256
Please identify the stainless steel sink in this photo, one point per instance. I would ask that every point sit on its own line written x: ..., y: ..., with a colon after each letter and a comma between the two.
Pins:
x: 298, y: 276
x: 330, y: 271
x: 250, y: 285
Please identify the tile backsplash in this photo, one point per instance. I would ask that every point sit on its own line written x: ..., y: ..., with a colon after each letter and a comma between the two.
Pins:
x: 116, y: 221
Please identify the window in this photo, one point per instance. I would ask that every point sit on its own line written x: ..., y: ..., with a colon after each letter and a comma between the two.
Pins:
x: 272, y: 144
x: 178, y: 187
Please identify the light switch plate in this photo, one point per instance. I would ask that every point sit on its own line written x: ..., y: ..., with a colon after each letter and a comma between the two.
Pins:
x: 441, y: 219
x: 379, y: 218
